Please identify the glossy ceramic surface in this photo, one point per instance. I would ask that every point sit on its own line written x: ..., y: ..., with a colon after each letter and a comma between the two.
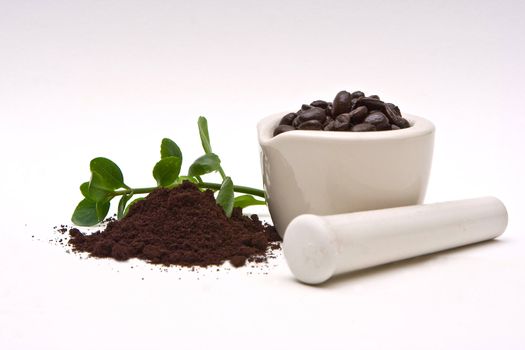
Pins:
x: 329, y: 172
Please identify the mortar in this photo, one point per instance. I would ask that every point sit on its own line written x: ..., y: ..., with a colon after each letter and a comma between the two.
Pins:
x: 334, y: 172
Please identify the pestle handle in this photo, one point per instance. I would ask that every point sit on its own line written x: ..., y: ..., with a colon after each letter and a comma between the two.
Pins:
x: 318, y: 247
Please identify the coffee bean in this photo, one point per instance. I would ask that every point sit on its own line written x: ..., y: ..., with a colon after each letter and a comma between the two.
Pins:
x: 390, y: 112
x: 353, y: 103
x: 282, y: 128
x: 304, y: 107
x: 329, y: 126
x: 370, y: 103
x: 319, y: 103
x: 288, y: 119
x: 345, y: 117
x: 342, y: 103
x: 311, y: 125
x: 363, y: 127
x: 402, y: 123
x: 358, y: 115
x: 342, y: 122
x: 348, y: 112
x: 379, y: 120
x: 314, y: 113
x: 393, y: 108
x: 394, y: 116
x: 357, y: 94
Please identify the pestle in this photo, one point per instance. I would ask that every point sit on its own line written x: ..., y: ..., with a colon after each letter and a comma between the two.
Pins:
x: 318, y: 247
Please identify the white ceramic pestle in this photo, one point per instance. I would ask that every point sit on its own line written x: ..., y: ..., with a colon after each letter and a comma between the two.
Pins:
x: 318, y: 247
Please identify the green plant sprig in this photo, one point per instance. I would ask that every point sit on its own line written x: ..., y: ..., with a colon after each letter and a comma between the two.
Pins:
x: 107, y: 182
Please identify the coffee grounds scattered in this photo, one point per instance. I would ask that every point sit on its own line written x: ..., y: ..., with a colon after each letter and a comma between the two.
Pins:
x: 182, y: 226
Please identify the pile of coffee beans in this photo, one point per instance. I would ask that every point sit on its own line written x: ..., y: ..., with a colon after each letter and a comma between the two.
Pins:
x: 348, y: 112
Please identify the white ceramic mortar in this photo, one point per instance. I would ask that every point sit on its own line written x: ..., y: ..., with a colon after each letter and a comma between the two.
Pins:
x: 330, y: 172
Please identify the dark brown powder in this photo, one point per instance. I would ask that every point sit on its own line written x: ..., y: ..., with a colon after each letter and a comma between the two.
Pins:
x: 182, y: 226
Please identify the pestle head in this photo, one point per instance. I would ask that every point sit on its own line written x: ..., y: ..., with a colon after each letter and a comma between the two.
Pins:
x: 310, y: 249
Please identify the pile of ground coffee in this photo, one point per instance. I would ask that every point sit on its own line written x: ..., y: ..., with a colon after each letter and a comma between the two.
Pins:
x: 182, y: 226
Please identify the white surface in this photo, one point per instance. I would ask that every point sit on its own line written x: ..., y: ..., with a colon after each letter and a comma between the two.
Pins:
x: 82, y: 79
x: 324, y: 173
x: 319, y: 247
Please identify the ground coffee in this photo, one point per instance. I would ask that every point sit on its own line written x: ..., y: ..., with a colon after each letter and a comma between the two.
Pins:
x: 182, y: 226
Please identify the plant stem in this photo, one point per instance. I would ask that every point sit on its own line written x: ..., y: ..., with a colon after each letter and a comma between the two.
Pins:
x: 141, y: 190
x: 210, y: 185
x: 236, y: 188
x: 221, y: 171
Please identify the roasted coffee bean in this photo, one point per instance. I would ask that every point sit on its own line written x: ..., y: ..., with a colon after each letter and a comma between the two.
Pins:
x: 379, y: 120
x: 288, y: 119
x: 393, y: 109
x: 296, y: 121
x: 390, y: 112
x: 363, y: 127
x: 394, y: 116
x: 342, y: 103
x: 319, y: 103
x: 358, y: 115
x: 370, y: 103
x: 349, y: 111
x: 342, y: 122
x: 282, y: 128
x: 329, y: 126
x: 357, y: 94
x: 401, y: 122
x: 314, y: 113
x: 311, y: 125
x: 303, y: 108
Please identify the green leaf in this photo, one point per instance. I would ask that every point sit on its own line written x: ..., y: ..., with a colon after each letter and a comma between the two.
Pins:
x: 246, y: 201
x: 122, y: 205
x: 131, y: 204
x: 86, y: 213
x: 168, y: 148
x: 110, y: 174
x: 225, y: 196
x: 191, y: 179
x: 98, y: 190
x: 84, y: 189
x: 102, y: 209
x: 167, y: 170
x: 206, y: 164
x: 203, y: 133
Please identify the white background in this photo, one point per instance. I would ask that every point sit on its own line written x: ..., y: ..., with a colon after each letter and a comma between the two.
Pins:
x: 80, y: 79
